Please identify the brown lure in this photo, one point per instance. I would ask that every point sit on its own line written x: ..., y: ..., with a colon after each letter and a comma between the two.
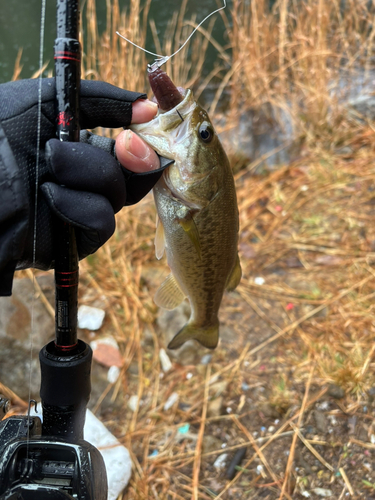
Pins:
x: 165, y: 91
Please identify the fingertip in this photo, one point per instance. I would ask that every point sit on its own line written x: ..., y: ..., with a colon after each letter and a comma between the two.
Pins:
x: 143, y: 111
x: 134, y: 154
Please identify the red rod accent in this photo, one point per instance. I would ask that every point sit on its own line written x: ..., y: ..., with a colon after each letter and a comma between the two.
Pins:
x: 70, y: 58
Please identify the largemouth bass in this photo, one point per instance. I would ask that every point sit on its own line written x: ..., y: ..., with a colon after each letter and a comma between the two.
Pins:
x: 197, y: 210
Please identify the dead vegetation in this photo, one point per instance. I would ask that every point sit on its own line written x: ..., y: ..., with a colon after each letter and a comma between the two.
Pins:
x: 292, y: 379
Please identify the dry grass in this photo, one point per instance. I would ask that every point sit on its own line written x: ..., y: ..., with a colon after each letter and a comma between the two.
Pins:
x: 296, y: 59
x: 307, y: 229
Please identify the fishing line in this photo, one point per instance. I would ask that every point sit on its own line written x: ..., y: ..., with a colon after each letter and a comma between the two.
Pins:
x: 39, y: 120
x: 163, y: 59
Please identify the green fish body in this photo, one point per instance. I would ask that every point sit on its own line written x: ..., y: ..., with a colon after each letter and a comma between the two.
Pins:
x: 198, y: 218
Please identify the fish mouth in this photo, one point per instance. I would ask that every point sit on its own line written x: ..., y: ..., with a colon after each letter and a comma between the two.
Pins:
x: 168, y: 128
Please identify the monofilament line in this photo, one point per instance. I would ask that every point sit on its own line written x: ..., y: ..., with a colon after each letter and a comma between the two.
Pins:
x: 163, y: 59
x: 39, y: 119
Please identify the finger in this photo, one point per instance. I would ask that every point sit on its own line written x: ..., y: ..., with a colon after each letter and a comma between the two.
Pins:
x: 87, y: 168
x: 91, y: 214
x: 144, y: 111
x: 105, y: 105
x: 134, y: 154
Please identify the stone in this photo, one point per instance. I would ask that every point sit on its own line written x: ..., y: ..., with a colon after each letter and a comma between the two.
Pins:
x: 90, y: 317
x: 16, y: 312
x: 116, y: 457
x: 321, y: 421
x: 336, y: 391
x: 165, y: 362
x: 106, y: 352
x: 221, y: 461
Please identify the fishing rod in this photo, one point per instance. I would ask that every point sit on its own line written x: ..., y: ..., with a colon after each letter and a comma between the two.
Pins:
x: 49, y: 458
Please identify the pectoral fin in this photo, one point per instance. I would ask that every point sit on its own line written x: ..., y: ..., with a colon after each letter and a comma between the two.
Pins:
x: 159, y: 239
x: 235, y: 276
x: 169, y: 295
x: 186, y: 221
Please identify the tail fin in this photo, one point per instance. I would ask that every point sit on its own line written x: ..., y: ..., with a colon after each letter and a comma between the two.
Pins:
x: 208, y: 336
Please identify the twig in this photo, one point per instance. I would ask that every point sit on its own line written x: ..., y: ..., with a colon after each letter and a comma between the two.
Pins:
x: 369, y: 446
x: 272, y: 438
x: 308, y: 315
x: 294, y: 440
x: 347, y: 482
x: 198, y: 449
x: 257, y: 450
x: 12, y: 396
x: 312, y: 449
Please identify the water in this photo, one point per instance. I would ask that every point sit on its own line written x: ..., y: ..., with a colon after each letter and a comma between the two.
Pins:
x: 20, y: 25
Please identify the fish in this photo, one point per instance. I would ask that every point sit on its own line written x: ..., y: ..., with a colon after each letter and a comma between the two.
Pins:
x: 198, y: 220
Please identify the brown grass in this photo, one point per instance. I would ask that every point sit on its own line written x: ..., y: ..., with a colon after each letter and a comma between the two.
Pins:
x: 307, y: 229
x: 295, y: 58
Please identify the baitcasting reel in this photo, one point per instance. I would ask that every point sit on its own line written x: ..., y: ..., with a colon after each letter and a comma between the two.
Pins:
x: 34, y: 467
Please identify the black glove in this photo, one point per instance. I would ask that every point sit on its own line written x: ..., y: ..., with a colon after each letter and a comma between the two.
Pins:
x: 82, y: 183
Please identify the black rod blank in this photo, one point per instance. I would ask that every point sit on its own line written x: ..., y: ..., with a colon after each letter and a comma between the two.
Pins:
x: 67, y: 55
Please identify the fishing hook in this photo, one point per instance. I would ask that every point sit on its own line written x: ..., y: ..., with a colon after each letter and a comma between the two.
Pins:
x: 179, y: 114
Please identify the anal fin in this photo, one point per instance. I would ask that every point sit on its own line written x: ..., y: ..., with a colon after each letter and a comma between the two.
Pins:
x: 169, y: 295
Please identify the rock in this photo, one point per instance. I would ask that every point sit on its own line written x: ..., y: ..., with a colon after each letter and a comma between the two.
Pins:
x: 221, y: 460
x: 15, y: 330
x: 106, y: 352
x: 362, y: 434
x: 113, y: 374
x: 133, y: 402
x: 164, y: 361
x: 116, y: 457
x: 90, y: 317
x: 336, y: 391
x: 321, y: 421
x: 214, y: 407
x: 322, y: 492
x: 352, y: 422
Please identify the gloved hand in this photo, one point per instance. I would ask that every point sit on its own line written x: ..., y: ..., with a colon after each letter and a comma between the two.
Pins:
x: 81, y: 183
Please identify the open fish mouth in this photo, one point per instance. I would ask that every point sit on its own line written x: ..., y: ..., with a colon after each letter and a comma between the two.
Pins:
x: 168, y: 128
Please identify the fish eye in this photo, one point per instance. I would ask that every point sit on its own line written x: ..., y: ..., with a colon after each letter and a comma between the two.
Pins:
x: 206, y: 132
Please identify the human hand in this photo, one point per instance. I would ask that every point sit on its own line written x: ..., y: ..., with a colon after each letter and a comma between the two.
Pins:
x: 82, y: 183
